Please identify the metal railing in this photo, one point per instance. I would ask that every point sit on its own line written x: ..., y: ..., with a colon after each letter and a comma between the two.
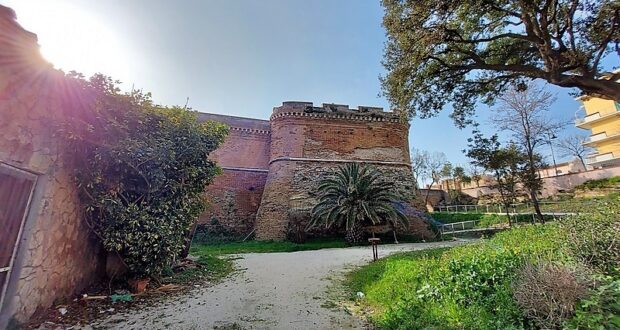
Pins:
x: 516, y: 219
x: 526, y: 207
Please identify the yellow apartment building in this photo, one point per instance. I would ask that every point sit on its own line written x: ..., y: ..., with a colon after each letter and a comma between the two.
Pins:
x: 602, y: 118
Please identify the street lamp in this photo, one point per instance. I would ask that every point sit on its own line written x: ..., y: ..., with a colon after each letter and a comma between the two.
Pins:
x: 552, y: 136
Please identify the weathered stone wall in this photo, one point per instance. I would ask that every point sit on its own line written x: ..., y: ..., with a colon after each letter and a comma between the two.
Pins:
x: 56, y: 255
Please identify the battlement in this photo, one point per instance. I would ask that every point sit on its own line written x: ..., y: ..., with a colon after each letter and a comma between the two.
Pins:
x: 332, y: 110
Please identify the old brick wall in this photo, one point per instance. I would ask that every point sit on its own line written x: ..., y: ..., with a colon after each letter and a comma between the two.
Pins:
x: 56, y: 255
x: 308, y: 143
x: 235, y: 195
x: 234, y: 198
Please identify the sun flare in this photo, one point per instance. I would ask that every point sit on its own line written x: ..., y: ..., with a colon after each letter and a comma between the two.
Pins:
x: 72, y: 39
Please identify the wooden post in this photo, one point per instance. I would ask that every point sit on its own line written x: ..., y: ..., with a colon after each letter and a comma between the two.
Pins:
x: 375, y: 248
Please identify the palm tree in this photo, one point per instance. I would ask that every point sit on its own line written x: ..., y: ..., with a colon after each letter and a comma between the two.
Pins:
x: 354, y: 196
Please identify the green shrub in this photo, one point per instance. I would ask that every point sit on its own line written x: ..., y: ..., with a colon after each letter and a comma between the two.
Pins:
x: 594, y: 238
x: 215, y: 233
x: 141, y: 170
x: 601, y: 310
x: 601, y: 183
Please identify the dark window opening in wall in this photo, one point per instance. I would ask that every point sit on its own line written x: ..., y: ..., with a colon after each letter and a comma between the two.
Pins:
x: 16, y: 187
x: 251, y: 189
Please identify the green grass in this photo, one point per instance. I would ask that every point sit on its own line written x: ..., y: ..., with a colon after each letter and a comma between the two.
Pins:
x: 364, y: 278
x: 265, y: 246
x: 612, y: 182
x: 463, y: 287
x: 570, y: 205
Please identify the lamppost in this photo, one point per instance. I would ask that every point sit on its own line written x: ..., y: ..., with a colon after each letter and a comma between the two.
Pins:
x: 552, y: 136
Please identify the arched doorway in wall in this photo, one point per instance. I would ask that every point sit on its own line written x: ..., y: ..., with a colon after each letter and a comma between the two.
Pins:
x: 16, y: 189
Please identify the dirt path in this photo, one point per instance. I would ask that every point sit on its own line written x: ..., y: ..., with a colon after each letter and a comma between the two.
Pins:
x: 273, y: 291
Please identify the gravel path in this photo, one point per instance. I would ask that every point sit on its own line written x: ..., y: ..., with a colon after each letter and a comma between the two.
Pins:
x: 272, y: 291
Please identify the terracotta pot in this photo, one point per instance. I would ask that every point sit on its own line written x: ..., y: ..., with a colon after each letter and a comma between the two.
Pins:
x: 138, y: 285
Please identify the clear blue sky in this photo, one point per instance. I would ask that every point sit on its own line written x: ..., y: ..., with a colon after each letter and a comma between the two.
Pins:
x: 238, y: 57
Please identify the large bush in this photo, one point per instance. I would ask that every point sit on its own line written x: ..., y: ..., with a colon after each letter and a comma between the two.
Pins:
x: 141, y: 170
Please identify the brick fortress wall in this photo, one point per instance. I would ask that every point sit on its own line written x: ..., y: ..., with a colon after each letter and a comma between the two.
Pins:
x: 235, y: 195
x: 266, y: 173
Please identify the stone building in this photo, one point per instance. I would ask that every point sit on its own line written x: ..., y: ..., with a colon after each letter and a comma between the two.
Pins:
x: 272, y: 166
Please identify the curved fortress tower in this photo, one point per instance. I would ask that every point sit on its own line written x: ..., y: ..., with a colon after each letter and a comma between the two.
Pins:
x: 273, y: 166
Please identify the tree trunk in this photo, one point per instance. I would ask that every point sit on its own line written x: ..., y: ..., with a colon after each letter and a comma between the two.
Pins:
x: 602, y: 87
x: 503, y: 197
x: 533, y: 177
x: 534, y: 199
x: 355, y: 234
x: 585, y: 168
x: 428, y: 192
x: 188, y: 240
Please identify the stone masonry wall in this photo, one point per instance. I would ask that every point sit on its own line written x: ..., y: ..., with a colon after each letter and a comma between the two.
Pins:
x: 307, y: 143
x: 56, y: 255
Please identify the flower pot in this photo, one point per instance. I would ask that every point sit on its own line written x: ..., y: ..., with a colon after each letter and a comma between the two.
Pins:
x: 138, y: 285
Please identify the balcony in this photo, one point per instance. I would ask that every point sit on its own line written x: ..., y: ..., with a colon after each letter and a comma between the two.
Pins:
x: 592, y: 140
x: 587, y: 121
x: 603, y: 159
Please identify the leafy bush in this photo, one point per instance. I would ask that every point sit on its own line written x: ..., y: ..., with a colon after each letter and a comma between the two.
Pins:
x: 601, y: 183
x: 548, y: 293
x: 594, y: 238
x: 471, y: 287
x: 601, y: 309
x: 141, y: 170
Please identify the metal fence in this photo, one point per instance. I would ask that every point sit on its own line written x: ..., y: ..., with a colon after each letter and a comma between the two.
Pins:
x: 497, y: 208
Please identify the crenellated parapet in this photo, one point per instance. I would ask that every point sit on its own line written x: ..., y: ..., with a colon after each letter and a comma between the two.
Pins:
x: 335, y: 111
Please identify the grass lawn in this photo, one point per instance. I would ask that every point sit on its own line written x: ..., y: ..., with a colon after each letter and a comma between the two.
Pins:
x: 264, y: 246
x: 365, y: 277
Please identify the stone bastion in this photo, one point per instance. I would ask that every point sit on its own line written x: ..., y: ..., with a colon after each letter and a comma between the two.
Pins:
x: 272, y: 166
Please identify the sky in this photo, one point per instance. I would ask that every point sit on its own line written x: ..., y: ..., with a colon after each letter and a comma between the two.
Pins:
x: 241, y: 58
